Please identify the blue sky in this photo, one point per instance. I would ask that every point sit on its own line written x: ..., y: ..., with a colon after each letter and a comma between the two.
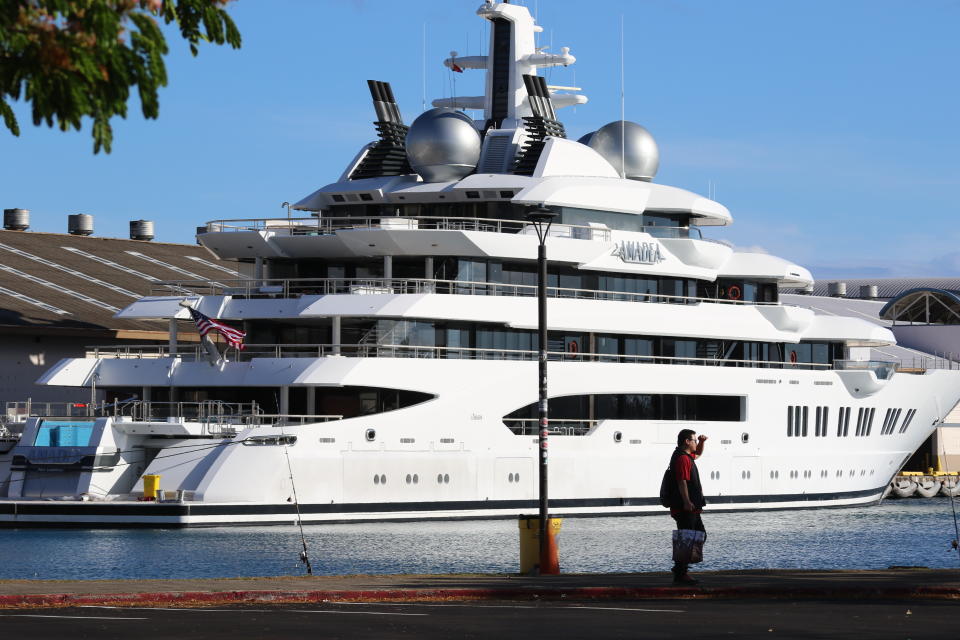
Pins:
x: 831, y: 129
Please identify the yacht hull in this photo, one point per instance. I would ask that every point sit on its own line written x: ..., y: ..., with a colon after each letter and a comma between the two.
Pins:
x: 444, y: 459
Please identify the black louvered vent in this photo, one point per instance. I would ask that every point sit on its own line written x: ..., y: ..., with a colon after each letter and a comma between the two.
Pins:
x: 540, y: 126
x: 388, y: 157
x: 500, y: 77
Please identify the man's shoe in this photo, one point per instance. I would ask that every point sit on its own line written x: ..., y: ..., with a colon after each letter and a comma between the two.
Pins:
x: 685, y: 579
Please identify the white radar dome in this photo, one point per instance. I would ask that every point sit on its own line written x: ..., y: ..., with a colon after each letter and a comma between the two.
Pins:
x: 638, y: 150
x: 443, y: 145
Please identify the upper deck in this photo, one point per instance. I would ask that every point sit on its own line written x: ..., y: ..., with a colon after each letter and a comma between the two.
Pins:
x: 655, y: 245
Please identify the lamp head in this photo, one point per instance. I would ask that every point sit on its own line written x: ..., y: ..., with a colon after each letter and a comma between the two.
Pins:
x: 541, y: 214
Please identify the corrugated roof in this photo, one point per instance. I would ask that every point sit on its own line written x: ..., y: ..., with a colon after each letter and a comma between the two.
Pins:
x: 855, y: 308
x: 887, y: 288
x: 46, y: 286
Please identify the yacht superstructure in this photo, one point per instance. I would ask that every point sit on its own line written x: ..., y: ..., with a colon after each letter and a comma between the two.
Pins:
x: 390, y: 368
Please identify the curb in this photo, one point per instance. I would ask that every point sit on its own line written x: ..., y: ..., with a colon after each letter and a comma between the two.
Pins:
x: 189, y: 598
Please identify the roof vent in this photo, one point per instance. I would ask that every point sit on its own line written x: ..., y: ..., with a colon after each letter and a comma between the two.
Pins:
x: 141, y: 229
x: 837, y: 289
x: 868, y: 291
x: 16, y: 219
x: 80, y: 224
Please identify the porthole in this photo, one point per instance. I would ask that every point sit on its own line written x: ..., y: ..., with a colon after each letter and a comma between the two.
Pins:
x: 383, y: 479
x: 748, y: 475
x: 771, y: 475
x: 376, y: 479
x: 617, y: 436
x: 439, y: 478
x: 743, y: 475
x: 509, y: 477
x: 370, y: 435
x: 778, y: 474
x: 409, y: 478
x: 744, y: 438
x: 416, y: 478
x: 516, y: 477
x: 446, y: 478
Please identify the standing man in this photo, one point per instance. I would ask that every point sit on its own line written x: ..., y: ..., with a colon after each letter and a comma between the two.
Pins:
x: 688, y: 500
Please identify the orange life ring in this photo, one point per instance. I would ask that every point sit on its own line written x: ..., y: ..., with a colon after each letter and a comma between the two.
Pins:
x: 734, y: 292
x: 573, y: 347
x: 793, y: 357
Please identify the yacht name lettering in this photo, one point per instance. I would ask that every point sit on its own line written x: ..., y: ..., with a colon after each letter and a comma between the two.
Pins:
x: 639, y: 252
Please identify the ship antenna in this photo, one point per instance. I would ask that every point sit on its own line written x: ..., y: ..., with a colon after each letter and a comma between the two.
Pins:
x: 623, y: 126
x: 423, y: 70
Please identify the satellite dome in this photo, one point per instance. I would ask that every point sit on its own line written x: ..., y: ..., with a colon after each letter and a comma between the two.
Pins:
x: 639, y: 150
x: 443, y: 145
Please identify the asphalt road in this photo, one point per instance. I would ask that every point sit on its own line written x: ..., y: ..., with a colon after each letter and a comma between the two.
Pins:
x: 648, y: 619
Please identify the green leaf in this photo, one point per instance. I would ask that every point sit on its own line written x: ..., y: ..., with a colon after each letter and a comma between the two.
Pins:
x: 78, y: 59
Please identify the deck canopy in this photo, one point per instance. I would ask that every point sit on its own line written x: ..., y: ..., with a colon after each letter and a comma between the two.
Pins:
x: 924, y: 306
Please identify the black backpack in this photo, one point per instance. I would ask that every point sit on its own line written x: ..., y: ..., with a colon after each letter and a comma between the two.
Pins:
x: 669, y: 492
x: 668, y: 488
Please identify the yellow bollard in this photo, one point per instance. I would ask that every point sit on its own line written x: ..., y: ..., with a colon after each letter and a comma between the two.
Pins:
x: 530, y: 546
x: 151, y: 487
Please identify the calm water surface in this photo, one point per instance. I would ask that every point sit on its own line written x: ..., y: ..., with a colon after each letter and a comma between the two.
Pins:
x: 913, y: 532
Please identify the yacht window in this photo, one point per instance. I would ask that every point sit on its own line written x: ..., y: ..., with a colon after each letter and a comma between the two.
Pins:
x: 59, y: 433
x: 626, y: 406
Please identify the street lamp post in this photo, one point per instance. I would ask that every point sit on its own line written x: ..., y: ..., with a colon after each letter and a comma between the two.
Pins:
x: 542, y: 218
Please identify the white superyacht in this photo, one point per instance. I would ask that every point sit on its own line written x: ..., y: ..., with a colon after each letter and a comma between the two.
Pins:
x: 389, y: 369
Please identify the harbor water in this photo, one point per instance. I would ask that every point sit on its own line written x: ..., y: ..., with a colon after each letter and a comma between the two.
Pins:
x: 897, y: 532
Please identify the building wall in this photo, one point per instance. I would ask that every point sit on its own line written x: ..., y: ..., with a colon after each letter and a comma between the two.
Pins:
x: 937, y: 339
x: 24, y: 358
x: 946, y: 446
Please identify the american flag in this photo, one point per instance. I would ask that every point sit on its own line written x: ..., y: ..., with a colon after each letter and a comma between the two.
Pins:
x: 205, y: 324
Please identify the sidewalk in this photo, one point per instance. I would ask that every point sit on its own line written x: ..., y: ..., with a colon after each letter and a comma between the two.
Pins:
x: 893, y: 584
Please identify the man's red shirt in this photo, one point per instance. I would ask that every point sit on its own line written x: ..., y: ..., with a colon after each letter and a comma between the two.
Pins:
x: 681, y: 469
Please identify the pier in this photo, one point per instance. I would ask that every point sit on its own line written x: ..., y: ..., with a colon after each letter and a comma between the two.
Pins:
x: 898, y: 602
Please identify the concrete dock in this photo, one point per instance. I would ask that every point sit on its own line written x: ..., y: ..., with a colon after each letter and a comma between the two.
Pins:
x: 897, y: 584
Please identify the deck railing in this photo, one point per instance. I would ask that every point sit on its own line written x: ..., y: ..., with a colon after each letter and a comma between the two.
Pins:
x: 196, y: 352
x: 17, y: 411
x: 322, y: 225
x: 556, y: 426
x: 297, y: 287
x: 217, y: 417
